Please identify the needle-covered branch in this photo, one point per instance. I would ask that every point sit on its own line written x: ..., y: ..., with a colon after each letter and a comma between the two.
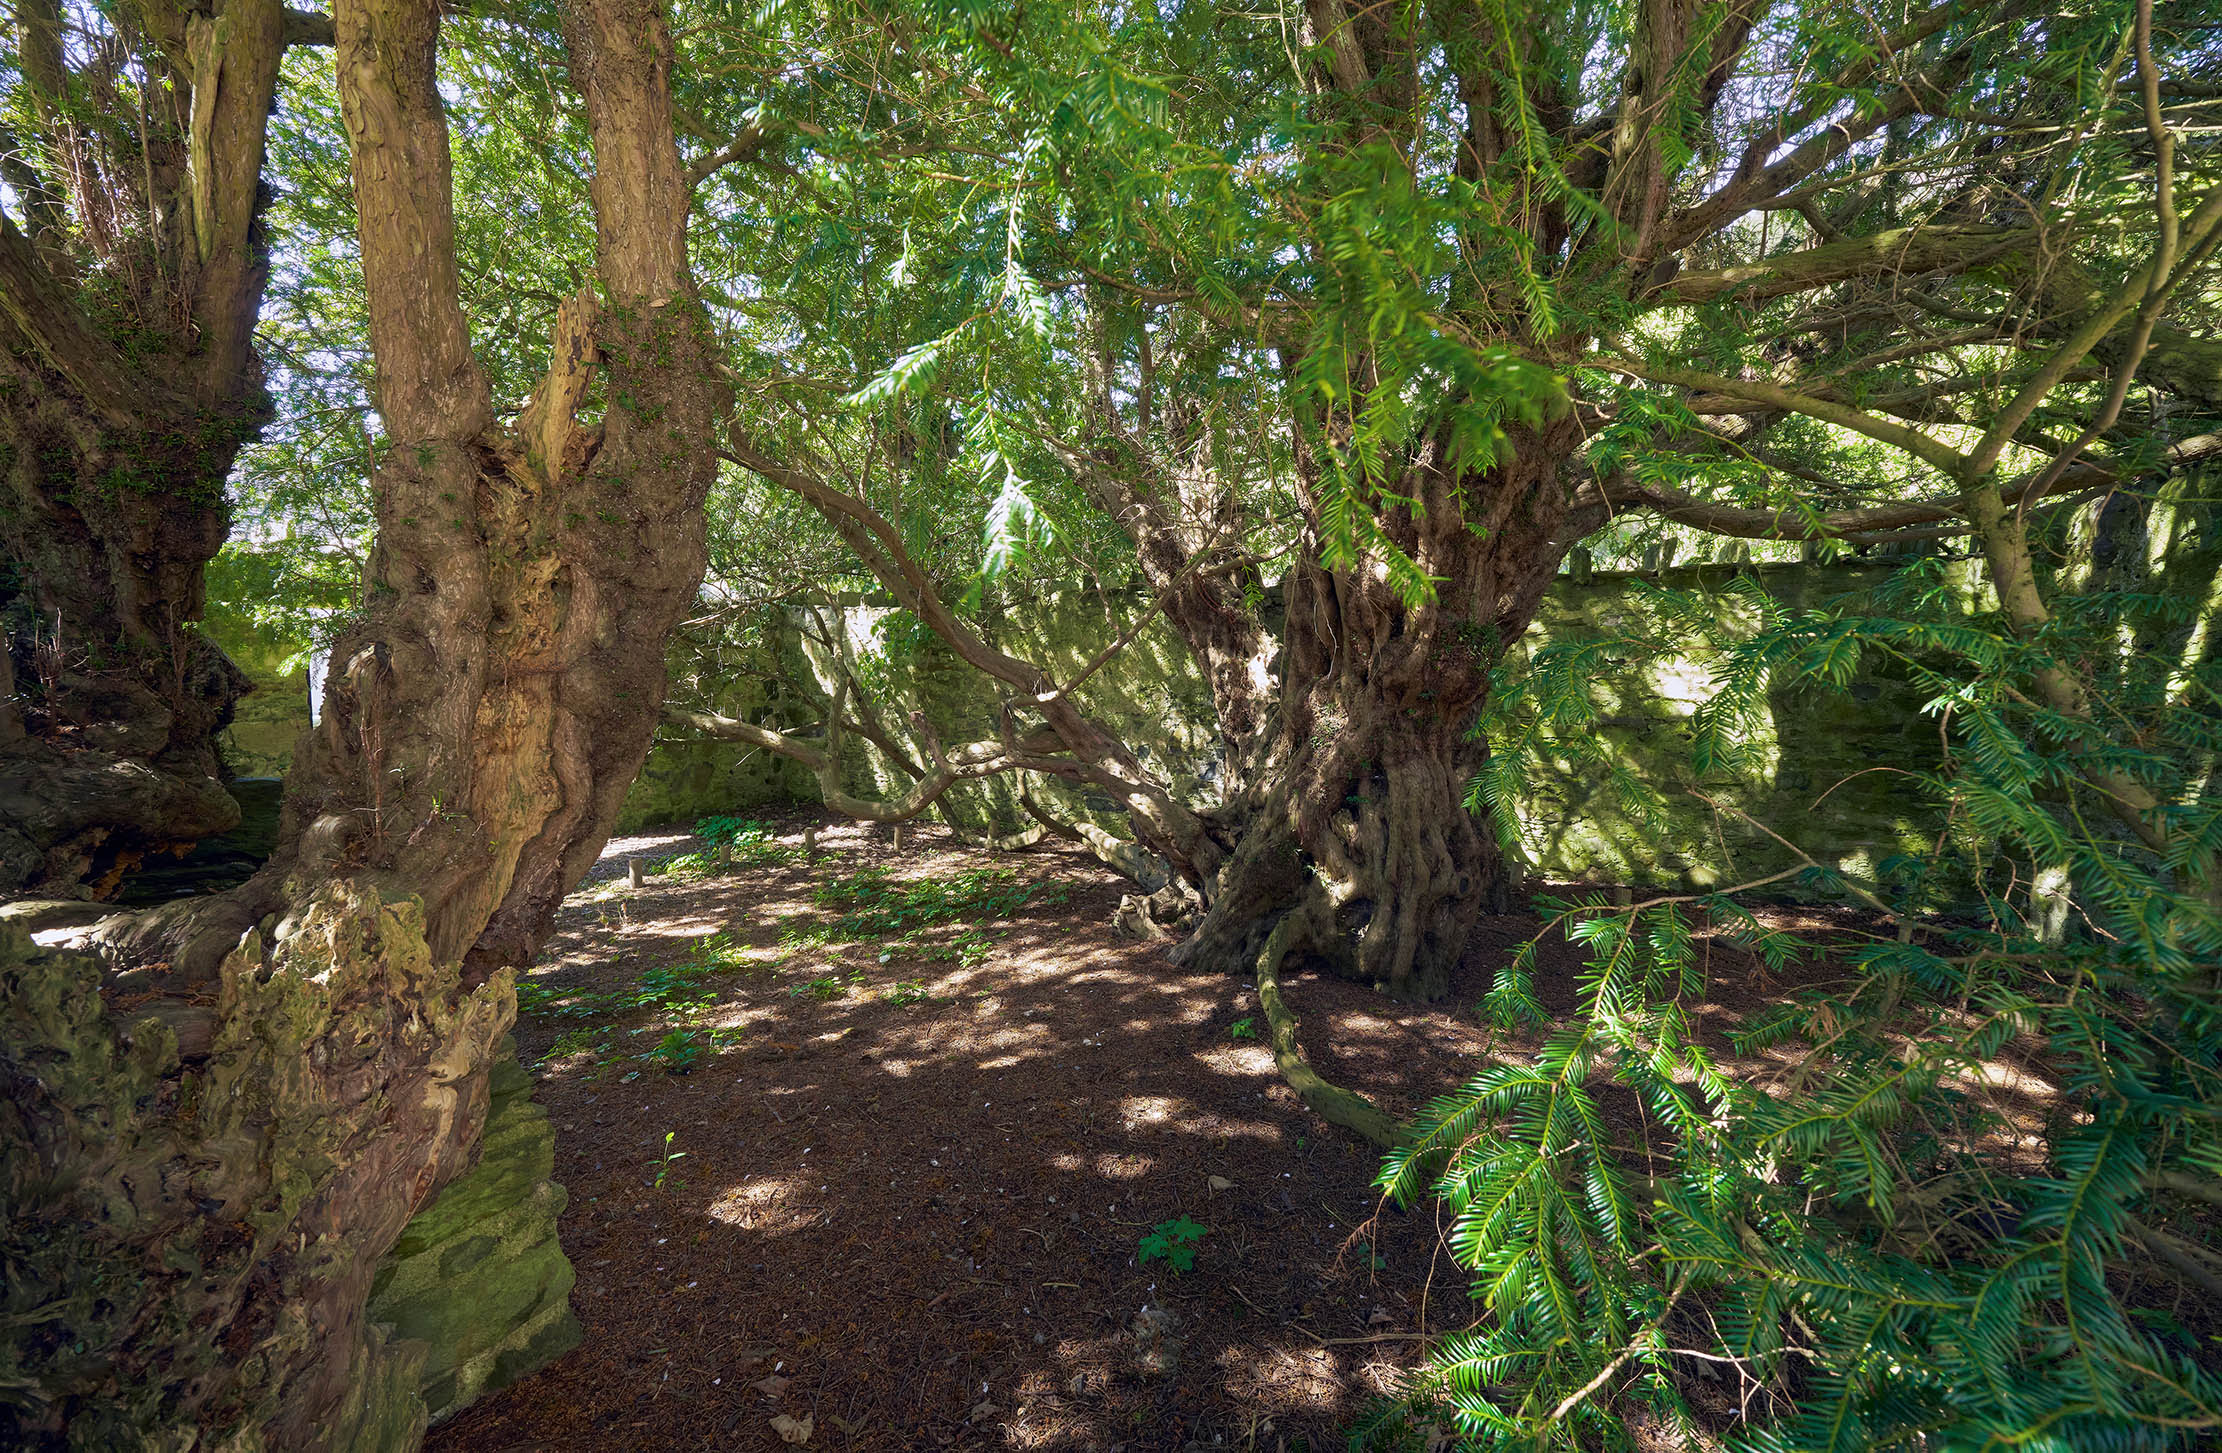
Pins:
x: 1877, y: 523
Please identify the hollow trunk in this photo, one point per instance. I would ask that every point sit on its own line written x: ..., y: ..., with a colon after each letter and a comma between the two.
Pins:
x: 215, y: 1129
x: 109, y: 527
x: 1359, y: 815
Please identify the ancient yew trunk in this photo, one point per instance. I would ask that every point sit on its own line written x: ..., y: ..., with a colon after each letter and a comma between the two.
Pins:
x: 219, y: 1115
x: 128, y: 382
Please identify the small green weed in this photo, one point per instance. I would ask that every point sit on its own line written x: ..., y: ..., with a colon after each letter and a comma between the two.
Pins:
x: 1245, y: 1028
x: 663, y: 1166
x: 1172, y: 1242
x: 676, y: 1053
x: 907, y: 993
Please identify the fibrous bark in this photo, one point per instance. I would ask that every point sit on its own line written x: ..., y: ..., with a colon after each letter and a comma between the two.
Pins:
x: 128, y: 383
x: 215, y: 1131
x: 1365, y: 802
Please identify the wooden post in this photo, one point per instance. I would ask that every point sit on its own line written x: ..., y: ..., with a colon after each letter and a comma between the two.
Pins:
x: 632, y: 872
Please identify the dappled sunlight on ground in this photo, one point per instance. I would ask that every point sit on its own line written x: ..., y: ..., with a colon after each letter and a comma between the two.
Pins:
x: 908, y: 1176
x: 913, y: 1176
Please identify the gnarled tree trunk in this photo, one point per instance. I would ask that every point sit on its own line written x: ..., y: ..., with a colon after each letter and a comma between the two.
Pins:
x: 128, y: 383
x: 214, y: 1133
x: 1361, y: 808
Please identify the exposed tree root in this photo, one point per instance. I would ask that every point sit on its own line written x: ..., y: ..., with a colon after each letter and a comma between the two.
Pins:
x: 1337, y: 1106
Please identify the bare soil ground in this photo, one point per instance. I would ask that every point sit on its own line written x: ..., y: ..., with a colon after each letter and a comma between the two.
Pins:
x: 912, y: 1173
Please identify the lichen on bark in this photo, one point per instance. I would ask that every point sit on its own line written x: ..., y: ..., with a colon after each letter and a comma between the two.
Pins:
x: 196, y: 1198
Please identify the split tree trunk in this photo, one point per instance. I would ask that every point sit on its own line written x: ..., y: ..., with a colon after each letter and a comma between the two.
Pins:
x: 216, y: 1135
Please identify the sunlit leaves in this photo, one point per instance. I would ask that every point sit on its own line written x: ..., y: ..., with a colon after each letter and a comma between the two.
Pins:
x: 1872, y: 1270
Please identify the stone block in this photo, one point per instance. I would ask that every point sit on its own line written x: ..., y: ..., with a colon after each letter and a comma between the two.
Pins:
x: 479, y: 1278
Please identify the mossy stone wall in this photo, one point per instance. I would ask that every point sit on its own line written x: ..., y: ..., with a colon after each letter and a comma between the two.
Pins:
x: 478, y: 1276
x: 267, y: 721
x: 1831, y: 775
x: 1832, y: 780
x: 685, y: 778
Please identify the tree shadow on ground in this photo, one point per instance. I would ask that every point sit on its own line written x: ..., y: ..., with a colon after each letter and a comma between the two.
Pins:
x: 909, y: 1210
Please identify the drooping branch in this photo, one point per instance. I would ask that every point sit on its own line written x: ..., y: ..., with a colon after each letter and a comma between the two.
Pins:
x: 1165, y: 824
x: 1875, y: 523
x: 969, y: 762
x: 307, y: 27
x: 1764, y: 169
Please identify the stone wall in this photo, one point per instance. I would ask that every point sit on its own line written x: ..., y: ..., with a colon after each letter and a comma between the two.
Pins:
x: 478, y: 1276
x: 686, y: 778
x: 1573, y: 823
x: 267, y: 720
x: 1575, y: 827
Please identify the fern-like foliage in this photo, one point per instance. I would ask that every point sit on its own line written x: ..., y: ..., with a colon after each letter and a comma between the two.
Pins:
x: 1867, y: 1253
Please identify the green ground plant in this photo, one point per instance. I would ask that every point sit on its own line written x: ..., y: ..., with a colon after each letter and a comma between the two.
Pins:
x: 733, y: 845
x: 1173, y: 1242
x: 679, y: 998
x: 938, y: 919
x: 676, y: 1053
x: 664, y: 1162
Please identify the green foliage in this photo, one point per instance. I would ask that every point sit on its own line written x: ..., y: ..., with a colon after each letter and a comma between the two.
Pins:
x: 676, y: 1053
x: 1172, y: 1242
x: 1850, y: 1247
x: 663, y: 1162
x: 1242, y: 1029
x: 295, y: 590
x: 735, y: 844
x: 683, y: 996
x: 876, y: 906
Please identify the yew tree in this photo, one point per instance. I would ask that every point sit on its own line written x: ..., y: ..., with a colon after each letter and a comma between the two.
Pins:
x: 220, y: 1114
x: 132, y: 267
x: 1400, y: 303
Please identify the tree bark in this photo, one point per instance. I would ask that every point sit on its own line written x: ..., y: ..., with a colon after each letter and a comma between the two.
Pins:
x: 115, y: 440
x: 215, y: 1131
x: 1362, y: 805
